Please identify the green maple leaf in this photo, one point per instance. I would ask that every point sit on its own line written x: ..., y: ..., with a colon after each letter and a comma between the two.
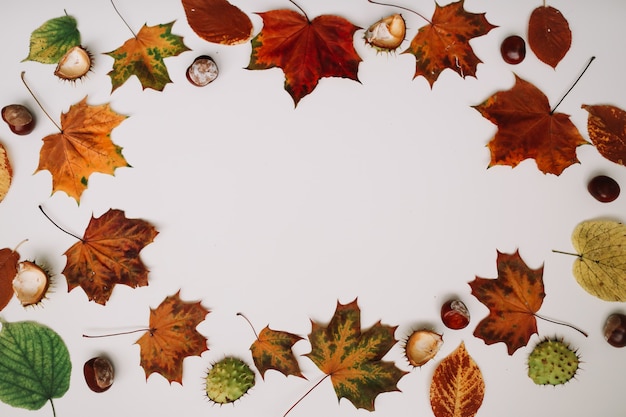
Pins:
x: 353, y: 358
x: 50, y: 41
x: 143, y: 56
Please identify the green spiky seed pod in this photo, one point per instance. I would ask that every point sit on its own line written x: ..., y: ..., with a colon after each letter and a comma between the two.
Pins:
x: 228, y: 380
x: 552, y: 362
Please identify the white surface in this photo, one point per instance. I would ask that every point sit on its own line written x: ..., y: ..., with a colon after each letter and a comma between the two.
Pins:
x: 377, y: 190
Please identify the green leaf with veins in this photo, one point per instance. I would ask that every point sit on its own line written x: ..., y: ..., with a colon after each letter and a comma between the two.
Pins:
x: 50, y: 41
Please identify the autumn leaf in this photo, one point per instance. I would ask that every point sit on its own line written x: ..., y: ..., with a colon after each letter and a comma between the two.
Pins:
x: 549, y: 35
x: 108, y: 254
x: 444, y: 42
x: 8, y: 269
x: 272, y: 350
x: 218, y: 21
x: 82, y: 147
x: 457, y: 388
x: 172, y: 337
x: 6, y: 172
x: 607, y: 130
x: 528, y: 128
x: 305, y: 50
x: 50, y: 41
x: 353, y: 358
x: 600, y: 265
x: 143, y: 56
x: 513, y: 299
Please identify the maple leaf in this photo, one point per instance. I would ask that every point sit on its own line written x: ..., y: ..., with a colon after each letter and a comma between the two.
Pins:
x: 172, y: 337
x: 272, y: 350
x: 444, y: 42
x: 549, y: 35
x: 305, y: 50
x: 353, y: 358
x: 143, y: 56
x: 457, y: 388
x: 528, y: 128
x: 513, y: 299
x: 607, y: 130
x: 218, y: 21
x: 8, y: 269
x: 108, y: 254
x: 82, y: 147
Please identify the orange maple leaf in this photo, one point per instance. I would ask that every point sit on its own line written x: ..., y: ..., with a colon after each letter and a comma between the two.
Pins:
x: 353, y: 358
x: 8, y: 269
x: 549, y: 35
x: 143, y: 56
x: 305, y: 50
x: 82, y: 147
x: 528, y: 128
x: 607, y: 130
x: 172, y: 337
x: 108, y: 254
x: 444, y: 42
x: 272, y: 350
x: 218, y: 21
x: 513, y: 300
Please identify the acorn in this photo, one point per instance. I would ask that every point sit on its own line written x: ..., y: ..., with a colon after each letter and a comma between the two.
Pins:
x: 202, y: 71
x: 31, y: 283
x: 19, y: 119
x: 421, y: 346
x: 387, y: 34
x: 75, y: 64
x: 98, y: 374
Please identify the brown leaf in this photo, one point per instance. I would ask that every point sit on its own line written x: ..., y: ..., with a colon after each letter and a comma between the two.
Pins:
x: 549, y: 35
x: 528, y: 128
x: 607, y: 130
x: 272, y: 350
x: 218, y: 21
x: 108, y: 254
x: 513, y: 299
x: 457, y: 388
x: 8, y: 269
x: 172, y: 337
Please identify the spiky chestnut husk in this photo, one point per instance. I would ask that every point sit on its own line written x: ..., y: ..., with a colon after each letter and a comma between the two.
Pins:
x: 75, y: 64
x: 228, y: 380
x: 421, y: 346
x: 387, y: 34
x: 31, y: 283
x: 552, y: 362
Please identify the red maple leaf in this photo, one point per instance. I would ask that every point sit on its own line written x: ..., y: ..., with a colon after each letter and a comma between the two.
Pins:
x: 444, y: 42
x: 528, y: 128
x: 305, y: 50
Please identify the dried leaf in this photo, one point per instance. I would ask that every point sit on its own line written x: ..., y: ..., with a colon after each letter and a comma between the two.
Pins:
x: 513, y: 299
x: 353, y: 358
x: 527, y: 128
x: 549, y: 35
x: 444, y: 43
x: 457, y: 388
x: 8, y: 269
x: 6, y: 172
x: 607, y: 130
x: 600, y: 267
x: 108, y: 254
x: 50, y: 41
x: 218, y: 21
x: 305, y: 50
x: 272, y: 350
x: 172, y: 337
x: 83, y: 147
x: 143, y: 56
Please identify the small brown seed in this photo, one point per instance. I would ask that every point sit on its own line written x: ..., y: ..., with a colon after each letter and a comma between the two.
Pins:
x: 202, y: 71
x: 98, y: 373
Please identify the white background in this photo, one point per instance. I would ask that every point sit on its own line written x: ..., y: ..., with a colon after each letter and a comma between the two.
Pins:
x: 377, y: 190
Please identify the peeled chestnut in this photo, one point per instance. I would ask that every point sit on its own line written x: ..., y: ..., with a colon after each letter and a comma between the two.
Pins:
x: 19, y: 119
x: 202, y: 71
x: 615, y: 330
x: 98, y: 373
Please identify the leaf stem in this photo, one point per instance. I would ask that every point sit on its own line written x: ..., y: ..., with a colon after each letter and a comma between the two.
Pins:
x: 307, y: 393
x: 123, y: 20
x: 573, y: 85
x: 403, y: 8
x: 251, y: 326
x: 301, y: 9
x: 88, y: 336
x: 566, y: 253
x: 562, y: 324
x: 36, y: 100
x: 54, y: 411
x: 59, y: 227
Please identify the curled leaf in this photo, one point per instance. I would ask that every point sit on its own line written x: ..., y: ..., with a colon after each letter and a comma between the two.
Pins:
x: 549, y: 35
x: 50, y: 41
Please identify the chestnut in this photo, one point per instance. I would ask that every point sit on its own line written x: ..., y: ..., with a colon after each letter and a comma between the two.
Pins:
x: 202, y: 71
x: 615, y: 330
x: 19, y: 119
x: 98, y: 373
